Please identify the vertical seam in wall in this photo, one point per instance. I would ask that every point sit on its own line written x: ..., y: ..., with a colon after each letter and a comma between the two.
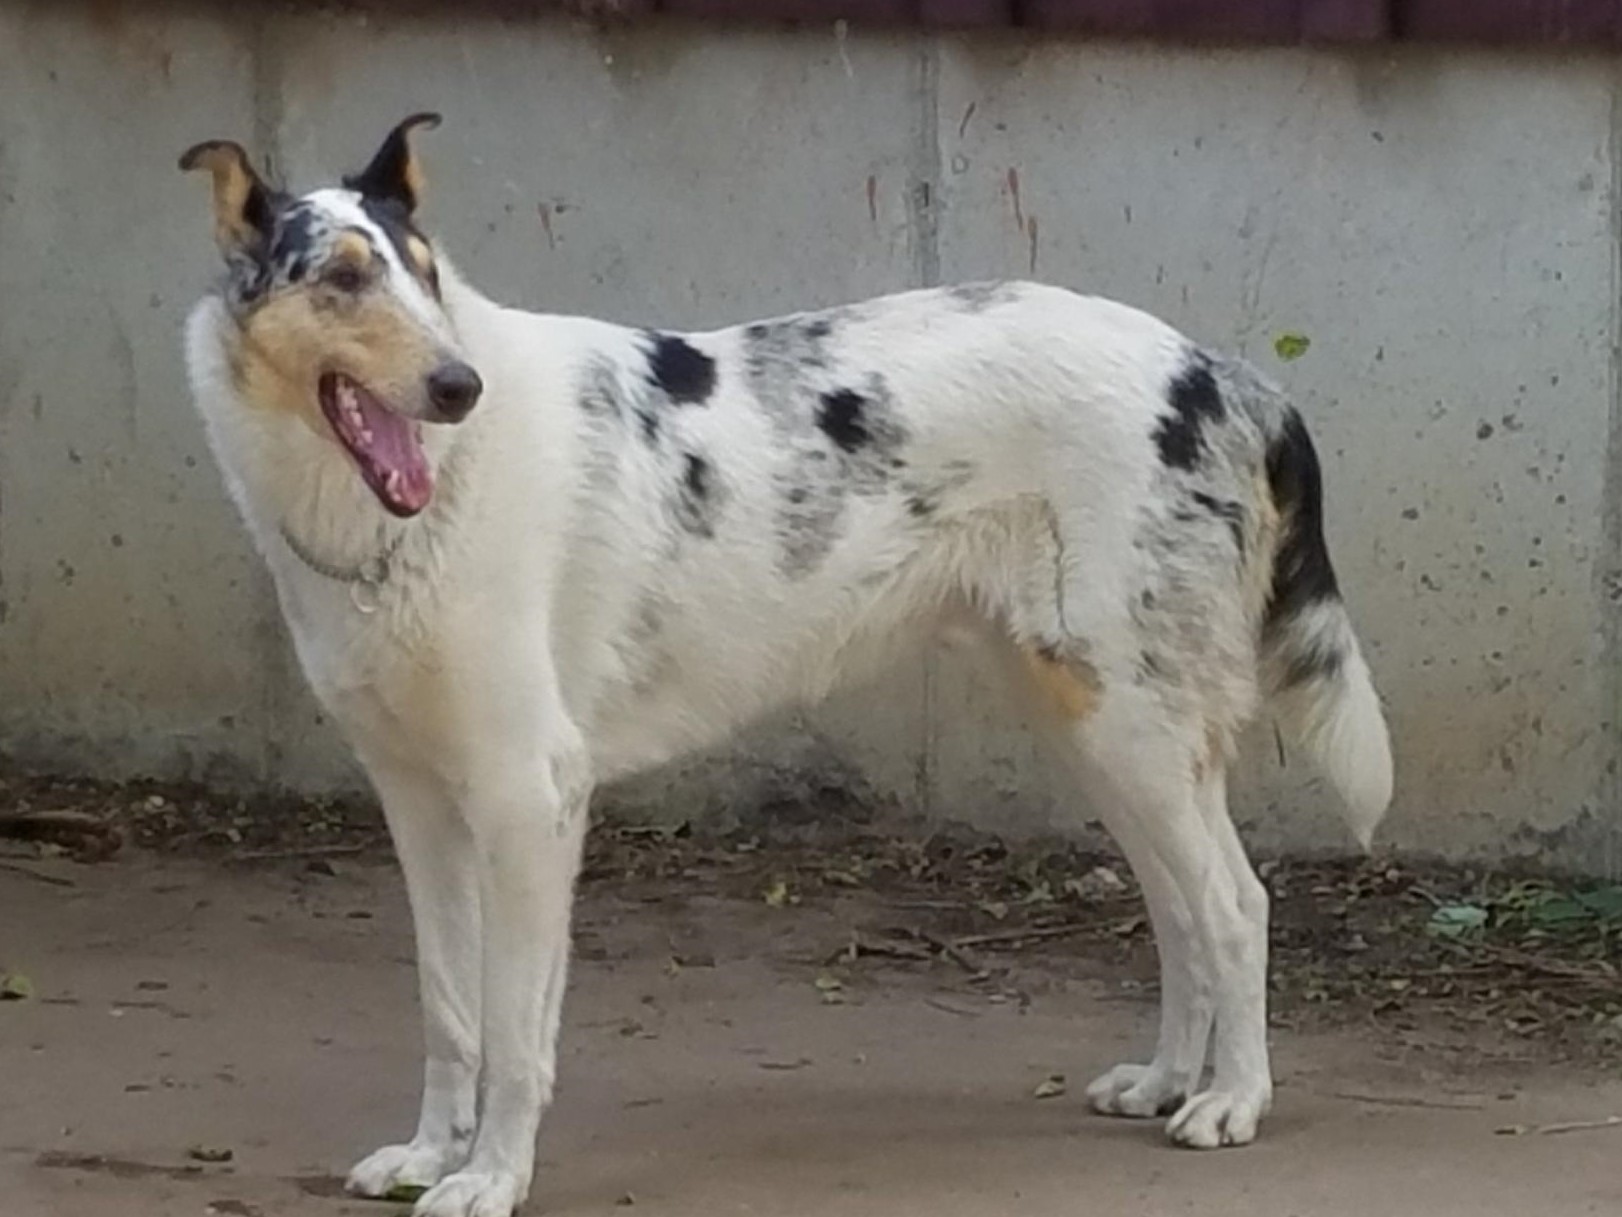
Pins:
x: 925, y: 196
x: 1608, y: 576
x: 923, y: 204
x: 276, y: 674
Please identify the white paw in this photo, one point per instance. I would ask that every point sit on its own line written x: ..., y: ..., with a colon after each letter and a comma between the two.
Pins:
x: 472, y: 1194
x: 1220, y: 1117
x: 394, y: 1166
x: 1139, y: 1092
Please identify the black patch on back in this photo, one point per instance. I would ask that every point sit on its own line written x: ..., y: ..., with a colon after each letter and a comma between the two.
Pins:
x: 682, y: 372
x: 839, y: 415
x: 1194, y: 402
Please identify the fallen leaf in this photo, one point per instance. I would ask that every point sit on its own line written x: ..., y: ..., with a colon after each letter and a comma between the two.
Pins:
x: 405, y: 1193
x: 777, y: 894
x: 14, y: 986
x: 1050, y: 1087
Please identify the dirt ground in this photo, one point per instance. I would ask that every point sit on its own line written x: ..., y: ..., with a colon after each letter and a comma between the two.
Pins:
x: 858, y: 1028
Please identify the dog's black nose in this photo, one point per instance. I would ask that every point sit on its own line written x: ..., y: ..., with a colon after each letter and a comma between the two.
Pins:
x: 454, y: 389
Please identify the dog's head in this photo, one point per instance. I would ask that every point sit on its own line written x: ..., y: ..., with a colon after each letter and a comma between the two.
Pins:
x: 338, y: 318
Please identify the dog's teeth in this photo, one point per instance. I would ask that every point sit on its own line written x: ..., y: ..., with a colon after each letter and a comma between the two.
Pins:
x: 392, y: 482
x: 365, y: 434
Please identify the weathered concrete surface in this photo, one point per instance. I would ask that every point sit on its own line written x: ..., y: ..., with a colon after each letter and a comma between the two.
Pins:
x: 1442, y: 226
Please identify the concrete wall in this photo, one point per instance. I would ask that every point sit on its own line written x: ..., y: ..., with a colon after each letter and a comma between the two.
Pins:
x: 1443, y: 226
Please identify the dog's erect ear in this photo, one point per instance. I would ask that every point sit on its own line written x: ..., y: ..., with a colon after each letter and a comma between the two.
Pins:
x: 243, y: 205
x: 395, y: 174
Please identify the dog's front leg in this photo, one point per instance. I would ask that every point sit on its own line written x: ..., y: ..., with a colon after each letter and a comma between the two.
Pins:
x: 528, y: 818
x: 435, y: 848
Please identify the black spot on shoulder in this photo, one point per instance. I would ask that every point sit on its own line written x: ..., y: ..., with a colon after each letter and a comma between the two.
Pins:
x: 839, y: 415
x: 1194, y: 401
x: 684, y: 373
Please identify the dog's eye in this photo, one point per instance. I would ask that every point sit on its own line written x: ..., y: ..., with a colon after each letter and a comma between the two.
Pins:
x: 346, y: 277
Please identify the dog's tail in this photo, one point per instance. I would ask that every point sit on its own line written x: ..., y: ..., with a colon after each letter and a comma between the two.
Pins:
x: 1312, y: 667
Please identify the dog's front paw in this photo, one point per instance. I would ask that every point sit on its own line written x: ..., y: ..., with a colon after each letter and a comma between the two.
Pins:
x: 472, y: 1194
x: 413, y: 1165
x: 1138, y: 1092
x: 1219, y: 1118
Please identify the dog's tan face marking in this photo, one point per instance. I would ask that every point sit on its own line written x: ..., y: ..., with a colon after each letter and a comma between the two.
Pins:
x: 325, y: 324
x: 422, y: 258
x: 1072, y: 687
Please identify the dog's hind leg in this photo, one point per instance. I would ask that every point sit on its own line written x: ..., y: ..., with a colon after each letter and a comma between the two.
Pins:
x: 1241, y: 1085
x: 1064, y: 695
x: 527, y: 814
x: 435, y: 850
x: 1150, y: 773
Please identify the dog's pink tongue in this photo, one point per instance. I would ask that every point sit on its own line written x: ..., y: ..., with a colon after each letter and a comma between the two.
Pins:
x: 406, y: 482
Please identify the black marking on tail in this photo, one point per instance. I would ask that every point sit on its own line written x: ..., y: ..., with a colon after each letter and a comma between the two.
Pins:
x: 1194, y: 400
x: 1303, y: 576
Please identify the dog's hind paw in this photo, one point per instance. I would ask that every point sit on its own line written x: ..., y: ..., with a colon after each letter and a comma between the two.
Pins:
x: 395, y: 1166
x: 1139, y: 1092
x: 1220, y: 1118
x: 472, y: 1194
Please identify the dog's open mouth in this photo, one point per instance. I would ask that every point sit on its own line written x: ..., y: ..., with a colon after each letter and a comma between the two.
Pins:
x: 386, y: 445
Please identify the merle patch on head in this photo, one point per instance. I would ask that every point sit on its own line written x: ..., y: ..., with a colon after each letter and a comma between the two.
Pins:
x: 682, y: 372
x: 1194, y: 401
x: 301, y: 232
